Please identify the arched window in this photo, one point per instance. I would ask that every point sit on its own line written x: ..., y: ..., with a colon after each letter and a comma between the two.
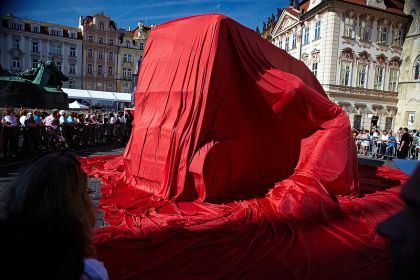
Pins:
x: 416, y: 69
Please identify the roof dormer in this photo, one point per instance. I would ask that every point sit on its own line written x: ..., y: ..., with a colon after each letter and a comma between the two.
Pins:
x: 376, y: 3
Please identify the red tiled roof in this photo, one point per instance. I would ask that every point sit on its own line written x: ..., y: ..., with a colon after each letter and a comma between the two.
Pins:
x: 392, y: 6
x: 292, y: 11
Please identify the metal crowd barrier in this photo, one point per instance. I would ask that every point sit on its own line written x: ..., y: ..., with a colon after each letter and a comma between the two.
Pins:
x: 21, y: 142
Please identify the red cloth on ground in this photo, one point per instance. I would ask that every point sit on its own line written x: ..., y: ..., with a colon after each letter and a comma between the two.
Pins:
x: 151, y: 238
x: 238, y: 166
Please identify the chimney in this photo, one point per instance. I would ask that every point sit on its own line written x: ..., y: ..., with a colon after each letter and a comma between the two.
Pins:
x: 140, y: 25
x: 80, y: 20
x: 129, y: 28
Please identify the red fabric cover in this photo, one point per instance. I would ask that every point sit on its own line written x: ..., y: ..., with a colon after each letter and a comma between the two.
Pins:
x: 238, y: 167
x: 151, y: 238
x: 223, y: 114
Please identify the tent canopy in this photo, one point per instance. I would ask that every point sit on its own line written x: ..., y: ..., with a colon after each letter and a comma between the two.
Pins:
x: 77, y: 105
x: 97, y: 95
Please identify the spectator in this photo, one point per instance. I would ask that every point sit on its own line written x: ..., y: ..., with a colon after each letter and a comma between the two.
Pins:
x: 121, y: 117
x: 10, y: 119
x: 403, y: 230
x: 22, y: 118
x: 37, y: 117
x: 52, y: 119
x: 62, y: 118
x: 392, y: 144
x: 404, y: 144
x: 51, y: 191
x: 70, y: 118
x: 112, y: 119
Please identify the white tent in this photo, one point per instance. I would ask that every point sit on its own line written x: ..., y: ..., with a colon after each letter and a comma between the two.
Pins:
x: 77, y: 105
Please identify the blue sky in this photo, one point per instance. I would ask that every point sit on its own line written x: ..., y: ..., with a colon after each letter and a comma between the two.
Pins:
x: 127, y: 13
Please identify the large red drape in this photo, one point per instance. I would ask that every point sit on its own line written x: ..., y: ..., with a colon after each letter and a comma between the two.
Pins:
x: 238, y: 166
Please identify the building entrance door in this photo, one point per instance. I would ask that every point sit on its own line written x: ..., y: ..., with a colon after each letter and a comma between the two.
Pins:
x: 374, y: 122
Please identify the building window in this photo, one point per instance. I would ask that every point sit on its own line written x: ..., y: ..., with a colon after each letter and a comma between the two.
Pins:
x: 71, y: 84
x: 101, y: 26
x: 35, y: 28
x: 34, y: 63
x: 101, y: 40
x: 141, y: 46
x: 388, y: 123
x: 397, y: 40
x: 110, y: 72
x: 100, y: 54
x: 345, y: 73
x: 293, y: 40
x: 90, y: 39
x: 15, y: 62
x: 124, y: 72
x: 56, y: 32
x: 315, y: 68
x: 306, y: 35
x: 130, y: 58
x: 55, y: 49
x: 111, y: 42
x: 379, y: 78
x: 72, y: 34
x: 280, y: 44
x: 393, y: 79
x: 110, y: 87
x: 125, y: 59
x: 362, y: 75
x: 127, y: 44
x: 411, y: 117
x: 100, y: 70
x: 110, y: 56
x: 365, y: 31
x: 16, y: 26
x: 58, y: 65
x: 90, y: 69
x: 73, y: 52
x: 88, y: 85
x: 72, y: 69
x: 16, y: 44
x: 35, y: 46
x: 383, y: 34
x: 90, y: 53
x: 416, y: 69
x: 317, y: 30
x: 348, y: 27
x: 357, y: 123
x: 286, y: 47
x: 128, y: 72
x: 99, y: 86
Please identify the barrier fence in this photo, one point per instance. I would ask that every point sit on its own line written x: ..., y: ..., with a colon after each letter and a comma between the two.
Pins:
x: 22, y: 142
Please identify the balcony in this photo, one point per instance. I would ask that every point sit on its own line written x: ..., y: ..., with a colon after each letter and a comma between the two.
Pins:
x: 354, y: 92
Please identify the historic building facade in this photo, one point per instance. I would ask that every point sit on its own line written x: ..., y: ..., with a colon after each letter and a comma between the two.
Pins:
x: 100, y: 52
x: 130, y: 54
x: 24, y: 42
x: 354, y: 48
x: 408, y: 114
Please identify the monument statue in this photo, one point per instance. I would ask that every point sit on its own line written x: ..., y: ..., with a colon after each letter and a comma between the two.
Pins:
x: 36, y: 87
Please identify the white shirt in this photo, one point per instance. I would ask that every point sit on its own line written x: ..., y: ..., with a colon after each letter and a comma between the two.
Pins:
x: 384, y: 137
x: 11, y: 119
x: 22, y: 120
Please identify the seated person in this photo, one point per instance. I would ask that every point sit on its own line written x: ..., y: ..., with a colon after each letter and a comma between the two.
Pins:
x: 47, y: 229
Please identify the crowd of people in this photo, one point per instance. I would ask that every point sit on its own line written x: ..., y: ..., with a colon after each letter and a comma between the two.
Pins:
x: 386, y: 144
x: 30, y: 131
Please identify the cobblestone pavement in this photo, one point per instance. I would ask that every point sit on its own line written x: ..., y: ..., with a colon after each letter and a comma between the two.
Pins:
x: 9, y: 171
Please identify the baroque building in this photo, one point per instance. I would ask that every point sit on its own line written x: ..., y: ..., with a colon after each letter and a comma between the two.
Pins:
x: 130, y: 54
x: 354, y: 48
x: 100, y: 52
x: 25, y: 42
x: 408, y: 114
